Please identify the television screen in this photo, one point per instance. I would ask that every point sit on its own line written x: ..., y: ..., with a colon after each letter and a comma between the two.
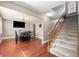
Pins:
x: 18, y: 24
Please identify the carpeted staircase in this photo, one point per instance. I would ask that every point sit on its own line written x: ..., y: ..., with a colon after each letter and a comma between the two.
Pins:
x: 65, y: 42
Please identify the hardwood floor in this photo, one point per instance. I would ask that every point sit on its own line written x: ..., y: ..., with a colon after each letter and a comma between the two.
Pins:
x: 33, y: 48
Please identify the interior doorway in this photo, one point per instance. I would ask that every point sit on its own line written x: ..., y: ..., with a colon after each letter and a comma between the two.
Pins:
x: 34, y: 31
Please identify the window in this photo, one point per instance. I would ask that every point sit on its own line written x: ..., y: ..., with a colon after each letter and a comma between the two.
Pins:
x: 71, y: 7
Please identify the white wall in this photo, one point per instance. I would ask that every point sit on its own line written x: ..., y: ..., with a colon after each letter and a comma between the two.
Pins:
x: 59, y: 9
x: 0, y: 25
x: 0, y: 28
x: 45, y: 29
x: 10, y: 15
x: 47, y: 24
x: 9, y: 31
x: 11, y: 5
x: 39, y: 30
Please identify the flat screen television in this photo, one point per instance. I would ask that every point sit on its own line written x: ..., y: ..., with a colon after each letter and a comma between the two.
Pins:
x: 18, y: 24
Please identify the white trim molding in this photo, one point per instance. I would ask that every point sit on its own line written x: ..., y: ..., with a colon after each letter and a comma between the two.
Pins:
x: 7, y: 37
x: 0, y: 40
x: 43, y: 42
x: 39, y: 37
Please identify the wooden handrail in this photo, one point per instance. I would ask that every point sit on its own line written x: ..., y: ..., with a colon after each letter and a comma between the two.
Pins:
x: 56, y: 24
x: 53, y: 31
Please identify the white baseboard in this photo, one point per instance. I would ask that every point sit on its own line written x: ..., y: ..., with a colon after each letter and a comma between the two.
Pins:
x: 3, y: 38
x: 42, y: 39
x: 39, y: 37
x: 0, y: 40
x: 0, y: 37
x: 43, y: 42
x: 7, y: 37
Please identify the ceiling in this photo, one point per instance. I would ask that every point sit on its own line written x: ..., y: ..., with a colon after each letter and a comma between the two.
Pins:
x: 11, y: 15
x: 41, y: 7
